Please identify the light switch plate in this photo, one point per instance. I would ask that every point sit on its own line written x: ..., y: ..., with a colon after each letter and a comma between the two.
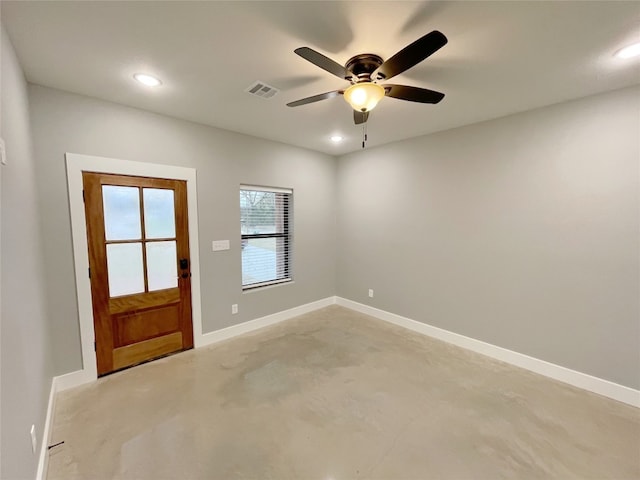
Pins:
x: 3, y: 152
x: 218, y: 245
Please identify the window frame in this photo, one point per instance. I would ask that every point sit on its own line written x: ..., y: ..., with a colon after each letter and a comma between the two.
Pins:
x: 286, y: 234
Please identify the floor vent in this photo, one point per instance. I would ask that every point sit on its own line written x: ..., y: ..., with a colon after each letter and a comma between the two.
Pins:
x: 261, y: 89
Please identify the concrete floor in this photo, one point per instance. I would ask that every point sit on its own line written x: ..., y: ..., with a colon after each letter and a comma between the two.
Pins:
x: 338, y: 395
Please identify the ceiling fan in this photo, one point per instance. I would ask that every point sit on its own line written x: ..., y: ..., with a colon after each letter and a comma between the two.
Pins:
x: 364, y: 71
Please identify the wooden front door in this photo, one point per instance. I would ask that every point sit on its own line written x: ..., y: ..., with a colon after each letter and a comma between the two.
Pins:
x: 138, y: 239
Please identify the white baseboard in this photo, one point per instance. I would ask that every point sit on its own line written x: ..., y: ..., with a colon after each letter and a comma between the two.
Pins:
x: 577, y: 379
x: 250, y: 326
x: 74, y: 379
x: 43, y: 460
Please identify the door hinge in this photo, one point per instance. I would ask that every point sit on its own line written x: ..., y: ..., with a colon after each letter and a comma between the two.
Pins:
x: 83, y: 196
x: 89, y: 269
x: 94, y: 347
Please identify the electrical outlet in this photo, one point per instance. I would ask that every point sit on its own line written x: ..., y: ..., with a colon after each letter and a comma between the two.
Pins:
x: 370, y: 293
x: 234, y: 308
x: 34, y: 441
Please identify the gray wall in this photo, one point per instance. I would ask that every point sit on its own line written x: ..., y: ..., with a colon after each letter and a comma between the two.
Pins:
x: 522, y: 232
x: 64, y: 122
x: 25, y: 353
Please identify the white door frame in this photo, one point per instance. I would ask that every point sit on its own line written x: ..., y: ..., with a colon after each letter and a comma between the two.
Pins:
x: 76, y: 164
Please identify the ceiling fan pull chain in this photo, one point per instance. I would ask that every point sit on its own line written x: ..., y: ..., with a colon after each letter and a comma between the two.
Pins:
x: 365, y: 137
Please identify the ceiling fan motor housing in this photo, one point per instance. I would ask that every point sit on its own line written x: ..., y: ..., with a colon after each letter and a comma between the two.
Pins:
x: 363, y: 65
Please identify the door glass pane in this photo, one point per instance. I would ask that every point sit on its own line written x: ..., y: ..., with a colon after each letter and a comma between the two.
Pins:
x: 121, y: 212
x: 124, y: 264
x: 159, y: 215
x: 162, y: 270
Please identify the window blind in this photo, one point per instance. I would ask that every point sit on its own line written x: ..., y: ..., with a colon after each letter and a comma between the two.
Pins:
x: 266, y: 235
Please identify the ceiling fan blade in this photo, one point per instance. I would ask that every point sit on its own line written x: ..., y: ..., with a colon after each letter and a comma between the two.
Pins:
x: 413, y: 94
x: 411, y: 55
x: 315, y: 98
x: 360, y: 117
x: 323, y: 62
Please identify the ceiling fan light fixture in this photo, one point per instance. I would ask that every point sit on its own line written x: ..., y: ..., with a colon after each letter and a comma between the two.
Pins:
x: 364, y: 96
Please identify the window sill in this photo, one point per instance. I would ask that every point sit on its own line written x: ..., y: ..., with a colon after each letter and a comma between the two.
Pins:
x: 266, y: 285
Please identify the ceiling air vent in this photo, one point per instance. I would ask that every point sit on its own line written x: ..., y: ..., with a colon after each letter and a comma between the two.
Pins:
x: 261, y: 89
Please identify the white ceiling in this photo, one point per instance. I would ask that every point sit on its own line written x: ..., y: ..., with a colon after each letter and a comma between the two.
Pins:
x: 502, y: 57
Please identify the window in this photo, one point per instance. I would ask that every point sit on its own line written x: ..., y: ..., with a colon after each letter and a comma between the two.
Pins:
x: 265, y: 227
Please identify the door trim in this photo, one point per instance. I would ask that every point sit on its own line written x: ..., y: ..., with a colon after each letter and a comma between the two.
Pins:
x: 76, y: 164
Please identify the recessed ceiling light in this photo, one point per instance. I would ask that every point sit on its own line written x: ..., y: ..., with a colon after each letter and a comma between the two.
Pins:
x: 148, y: 80
x: 629, y: 51
x: 336, y: 138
